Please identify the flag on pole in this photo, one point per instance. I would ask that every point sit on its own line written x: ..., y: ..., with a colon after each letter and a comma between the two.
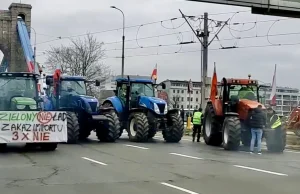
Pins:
x: 56, y: 78
x: 273, y: 92
x: 154, y: 73
x: 214, y: 86
x: 190, y: 86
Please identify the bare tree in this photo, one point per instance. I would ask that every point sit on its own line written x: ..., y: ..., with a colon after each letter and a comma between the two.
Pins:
x: 83, y: 57
x: 174, y: 101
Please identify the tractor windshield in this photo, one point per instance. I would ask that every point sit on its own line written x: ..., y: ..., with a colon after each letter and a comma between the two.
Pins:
x: 243, y: 92
x: 18, y: 87
x: 73, y: 87
x: 143, y: 89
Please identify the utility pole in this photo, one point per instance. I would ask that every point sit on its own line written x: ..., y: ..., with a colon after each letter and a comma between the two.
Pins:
x: 205, y: 61
x: 204, y: 51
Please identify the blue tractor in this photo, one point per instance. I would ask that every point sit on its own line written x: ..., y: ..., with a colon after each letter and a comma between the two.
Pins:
x: 141, y: 113
x: 84, y: 114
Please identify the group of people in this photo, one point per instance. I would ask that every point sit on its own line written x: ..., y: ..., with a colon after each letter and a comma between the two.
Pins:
x: 257, y: 120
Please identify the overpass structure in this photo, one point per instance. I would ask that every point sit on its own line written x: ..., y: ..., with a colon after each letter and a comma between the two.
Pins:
x: 15, y: 28
x: 285, y: 8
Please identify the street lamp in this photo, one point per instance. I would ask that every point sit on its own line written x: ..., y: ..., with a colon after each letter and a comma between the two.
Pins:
x: 123, y: 39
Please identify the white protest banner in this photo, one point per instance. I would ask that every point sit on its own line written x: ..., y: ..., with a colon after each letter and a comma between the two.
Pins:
x: 33, y: 126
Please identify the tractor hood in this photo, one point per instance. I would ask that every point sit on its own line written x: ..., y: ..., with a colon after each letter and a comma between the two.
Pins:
x: 89, y: 103
x: 23, y: 104
x: 23, y: 101
x: 245, y: 105
x: 157, y: 105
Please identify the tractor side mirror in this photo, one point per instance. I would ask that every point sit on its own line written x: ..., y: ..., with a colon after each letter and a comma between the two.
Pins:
x: 97, y: 83
x: 163, y: 85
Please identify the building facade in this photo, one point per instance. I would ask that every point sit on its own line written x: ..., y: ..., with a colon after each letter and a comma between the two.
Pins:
x: 286, y: 98
x: 178, y: 97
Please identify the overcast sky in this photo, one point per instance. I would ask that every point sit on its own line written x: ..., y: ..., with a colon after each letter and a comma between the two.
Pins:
x: 54, y: 18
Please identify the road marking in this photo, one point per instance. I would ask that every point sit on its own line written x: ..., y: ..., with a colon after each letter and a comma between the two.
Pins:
x: 290, y: 151
x: 186, y: 156
x: 178, y: 188
x: 95, y: 161
x: 260, y: 170
x: 144, y: 148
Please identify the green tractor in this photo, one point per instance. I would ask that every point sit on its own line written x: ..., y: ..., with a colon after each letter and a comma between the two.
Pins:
x: 19, y: 93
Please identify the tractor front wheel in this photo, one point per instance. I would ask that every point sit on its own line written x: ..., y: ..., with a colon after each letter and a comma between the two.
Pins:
x: 231, y: 133
x: 138, y: 127
x: 72, y: 127
x: 276, y: 140
x: 109, y: 131
x: 175, y: 128
x: 109, y: 105
x: 211, y: 127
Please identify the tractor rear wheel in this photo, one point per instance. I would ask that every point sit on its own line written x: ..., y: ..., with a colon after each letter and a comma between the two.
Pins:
x: 109, y: 131
x: 48, y: 146
x: 107, y: 105
x: 276, y: 140
x: 72, y: 127
x: 175, y: 128
x: 138, y: 127
x: 211, y: 127
x: 231, y: 133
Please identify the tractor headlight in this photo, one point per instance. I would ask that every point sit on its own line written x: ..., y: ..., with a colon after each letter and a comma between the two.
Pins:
x: 33, y: 106
x: 20, y: 106
x: 166, y: 109
x: 156, y: 109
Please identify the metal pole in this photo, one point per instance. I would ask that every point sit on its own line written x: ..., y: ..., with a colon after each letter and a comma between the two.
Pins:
x: 205, y: 59
x: 202, y: 85
x: 34, y: 50
x: 123, y: 40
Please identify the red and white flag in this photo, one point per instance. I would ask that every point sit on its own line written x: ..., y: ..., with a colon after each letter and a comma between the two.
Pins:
x: 273, y: 92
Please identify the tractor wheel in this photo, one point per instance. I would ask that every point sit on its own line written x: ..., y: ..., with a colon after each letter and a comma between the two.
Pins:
x: 231, y: 133
x: 84, y: 131
x: 211, y: 127
x: 138, y: 127
x: 175, y: 128
x: 108, y: 104
x: 108, y: 132
x: 276, y: 140
x: 72, y: 127
x: 48, y: 146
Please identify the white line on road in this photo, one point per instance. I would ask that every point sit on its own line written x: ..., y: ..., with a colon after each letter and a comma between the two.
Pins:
x: 260, y: 170
x: 178, y: 188
x: 193, y: 157
x: 95, y: 161
x: 144, y: 148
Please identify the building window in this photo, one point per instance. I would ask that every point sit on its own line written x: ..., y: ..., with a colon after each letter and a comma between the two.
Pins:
x: 197, y: 107
x: 177, y: 91
x: 177, y: 98
x: 192, y: 92
x: 196, y: 99
x: 187, y: 106
x: 182, y: 91
x: 188, y: 98
x: 197, y: 92
x: 182, y: 99
x: 191, y: 106
x: 181, y: 106
x: 174, y: 91
x: 174, y: 98
x: 177, y: 105
x: 191, y: 98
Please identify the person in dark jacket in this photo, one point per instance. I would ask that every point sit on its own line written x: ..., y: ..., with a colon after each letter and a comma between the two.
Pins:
x: 257, y: 121
x: 182, y: 114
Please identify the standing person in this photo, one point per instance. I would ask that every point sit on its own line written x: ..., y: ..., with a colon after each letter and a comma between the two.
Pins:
x: 257, y: 121
x: 182, y: 114
x: 274, y: 123
x: 197, y: 124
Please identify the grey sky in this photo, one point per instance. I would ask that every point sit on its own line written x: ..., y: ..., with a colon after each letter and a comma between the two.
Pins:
x: 53, y: 18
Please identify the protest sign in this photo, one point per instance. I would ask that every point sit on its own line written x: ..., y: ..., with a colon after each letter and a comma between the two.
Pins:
x: 33, y: 126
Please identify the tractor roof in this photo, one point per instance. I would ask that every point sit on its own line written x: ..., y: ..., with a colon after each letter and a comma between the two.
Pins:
x: 18, y: 74
x: 67, y: 77
x: 135, y: 78
x: 237, y: 81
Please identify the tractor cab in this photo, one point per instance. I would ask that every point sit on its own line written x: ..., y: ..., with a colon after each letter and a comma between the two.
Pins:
x: 70, y: 90
x: 239, y: 95
x: 140, y: 91
x: 18, y: 91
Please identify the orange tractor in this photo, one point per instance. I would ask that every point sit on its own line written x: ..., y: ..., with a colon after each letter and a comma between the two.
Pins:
x: 293, y: 121
x: 225, y: 117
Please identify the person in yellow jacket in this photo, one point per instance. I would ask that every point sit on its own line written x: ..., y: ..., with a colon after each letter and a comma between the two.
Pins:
x: 197, y: 124
x: 274, y: 123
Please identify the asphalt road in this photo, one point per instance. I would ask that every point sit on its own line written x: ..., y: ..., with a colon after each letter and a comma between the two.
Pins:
x: 144, y: 168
